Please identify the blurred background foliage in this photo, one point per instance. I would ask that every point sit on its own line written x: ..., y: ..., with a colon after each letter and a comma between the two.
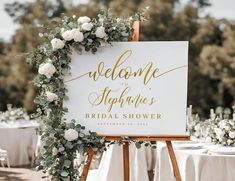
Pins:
x: 211, y: 50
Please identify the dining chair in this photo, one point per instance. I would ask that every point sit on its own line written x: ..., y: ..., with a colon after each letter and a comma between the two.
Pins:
x: 4, y: 158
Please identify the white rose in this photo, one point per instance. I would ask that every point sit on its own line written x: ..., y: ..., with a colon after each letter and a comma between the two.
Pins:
x: 57, y: 44
x: 87, y: 26
x: 232, y: 134
x: 100, y: 32
x: 83, y: 19
x: 54, y: 151
x: 77, y: 35
x: 68, y: 35
x: 47, y: 69
x: 70, y: 134
x: 51, y: 96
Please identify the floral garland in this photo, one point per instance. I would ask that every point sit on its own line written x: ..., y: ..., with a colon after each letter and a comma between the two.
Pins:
x: 61, y: 141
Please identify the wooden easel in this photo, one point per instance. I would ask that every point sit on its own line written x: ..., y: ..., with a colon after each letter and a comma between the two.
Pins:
x: 166, y: 138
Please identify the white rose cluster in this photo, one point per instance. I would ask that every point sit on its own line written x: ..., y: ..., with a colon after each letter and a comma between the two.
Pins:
x: 221, y: 131
x: 85, y: 23
x: 47, y: 69
x: 51, y: 96
x: 57, y: 44
x: 74, y: 34
x: 70, y: 135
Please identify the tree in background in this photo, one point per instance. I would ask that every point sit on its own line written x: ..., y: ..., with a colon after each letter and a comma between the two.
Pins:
x: 211, y: 50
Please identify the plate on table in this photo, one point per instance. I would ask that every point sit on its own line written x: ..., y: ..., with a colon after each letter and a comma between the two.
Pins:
x: 225, y: 150
x: 185, y: 142
x: 189, y: 145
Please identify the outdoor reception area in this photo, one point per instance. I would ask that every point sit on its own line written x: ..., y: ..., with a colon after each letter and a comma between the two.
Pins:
x: 114, y: 90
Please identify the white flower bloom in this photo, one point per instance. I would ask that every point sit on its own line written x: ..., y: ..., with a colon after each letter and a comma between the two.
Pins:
x: 197, y: 128
x: 70, y: 134
x: 83, y: 19
x: 227, y: 128
x: 68, y: 35
x: 100, y: 32
x: 229, y: 142
x: 87, y: 26
x: 232, y: 134
x: 77, y: 35
x: 51, y: 96
x: 40, y: 35
x: 47, y: 69
x: 57, y: 44
x: 54, y: 151
x: 219, y: 133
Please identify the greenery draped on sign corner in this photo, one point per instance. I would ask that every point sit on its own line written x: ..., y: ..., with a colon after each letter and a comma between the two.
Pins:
x: 62, y: 139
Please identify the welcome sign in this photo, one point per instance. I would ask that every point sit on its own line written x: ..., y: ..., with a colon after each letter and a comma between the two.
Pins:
x: 130, y: 88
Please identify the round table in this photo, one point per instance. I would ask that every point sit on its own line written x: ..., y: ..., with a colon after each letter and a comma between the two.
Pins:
x: 20, y: 142
x: 195, y: 165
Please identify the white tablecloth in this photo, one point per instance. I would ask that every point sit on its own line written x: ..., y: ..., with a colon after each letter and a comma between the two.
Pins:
x: 20, y: 143
x: 111, y: 165
x: 195, y: 165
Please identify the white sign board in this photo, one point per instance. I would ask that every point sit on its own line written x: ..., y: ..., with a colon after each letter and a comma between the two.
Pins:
x: 130, y: 88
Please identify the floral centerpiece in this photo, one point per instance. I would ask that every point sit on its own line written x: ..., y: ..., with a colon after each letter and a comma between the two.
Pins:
x: 13, y: 114
x: 218, y: 129
x: 61, y: 138
x: 222, y: 132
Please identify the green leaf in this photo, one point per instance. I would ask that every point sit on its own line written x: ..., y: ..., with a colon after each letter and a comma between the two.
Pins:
x: 138, y: 145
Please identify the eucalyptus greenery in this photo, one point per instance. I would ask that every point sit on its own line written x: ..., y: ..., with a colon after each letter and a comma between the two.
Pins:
x: 62, y: 139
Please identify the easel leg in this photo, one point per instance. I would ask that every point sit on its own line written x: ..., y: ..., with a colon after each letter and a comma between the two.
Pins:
x: 87, y: 166
x: 173, y: 161
x: 126, y: 162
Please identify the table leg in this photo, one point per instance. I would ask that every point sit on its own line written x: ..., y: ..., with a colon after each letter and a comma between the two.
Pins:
x: 173, y: 161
